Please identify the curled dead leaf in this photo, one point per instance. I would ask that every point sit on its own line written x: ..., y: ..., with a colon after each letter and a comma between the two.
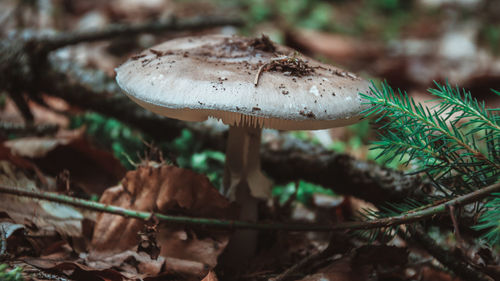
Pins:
x: 170, y: 190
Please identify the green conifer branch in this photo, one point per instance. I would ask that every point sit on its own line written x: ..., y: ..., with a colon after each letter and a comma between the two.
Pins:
x: 401, y: 105
x: 452, y: 98
x: 456, y: 144
x: 490, y: 220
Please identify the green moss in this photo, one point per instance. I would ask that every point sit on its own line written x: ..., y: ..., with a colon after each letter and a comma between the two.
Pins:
x: 304, y: 192
x: 112, y: 135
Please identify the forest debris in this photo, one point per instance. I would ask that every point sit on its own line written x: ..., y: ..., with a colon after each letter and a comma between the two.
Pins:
x: 7, y: 129
x: 342, y: 270
x: 381, y: 255
x: 164, y: 189
x: 37, y: 147
x: 210, y: 276
x: 6, y: 230
x: 288, y: 65
x: 76, y: 271
x: 94, y: 171
x: 131, y: 263
x: 43, y: 116
x: 48, y: 217
x: 147, y: 241
x: 263, y: 43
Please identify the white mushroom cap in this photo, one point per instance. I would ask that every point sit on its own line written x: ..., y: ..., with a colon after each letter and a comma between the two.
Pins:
x: 195, y: 78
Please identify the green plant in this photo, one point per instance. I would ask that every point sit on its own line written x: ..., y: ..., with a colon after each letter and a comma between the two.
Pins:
x: 456, y: 144
x: 127, y: 145
x: 189, y: 155
x: 11, y: 275
x: 303, y: 191
x: 491, y: 34
x: 113, y: 135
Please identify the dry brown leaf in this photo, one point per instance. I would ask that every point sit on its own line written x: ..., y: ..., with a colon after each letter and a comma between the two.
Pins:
x: 49, y: 217
x: 210, y: 277
x: 91, y: 169
x: 130, y: 263
x: 164, y: 189
x: 77, y: 271
x: 9, y: 113
x: 37, y: 147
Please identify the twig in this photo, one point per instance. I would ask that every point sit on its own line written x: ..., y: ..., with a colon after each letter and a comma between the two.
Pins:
x: 23, y: 130
x: 292, y: 272
x: 22, y: 106
x: 259, y: 72
x: 233, y: 224
x: 306, y: 265
x: 455, y: 226
x: 49, y: 276
x: 460, y: 268
x: 3, y: 245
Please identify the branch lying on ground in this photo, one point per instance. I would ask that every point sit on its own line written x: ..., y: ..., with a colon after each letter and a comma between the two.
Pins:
x: 24, y: 130
x: 232, y: 224
x: 462, y: 269
x: 317, y: 260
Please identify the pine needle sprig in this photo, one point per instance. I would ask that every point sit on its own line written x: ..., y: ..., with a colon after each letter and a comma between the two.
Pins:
x: 439, y: 140
x: 456, y: 144
x: 462, y: 101
x: 490, y: 221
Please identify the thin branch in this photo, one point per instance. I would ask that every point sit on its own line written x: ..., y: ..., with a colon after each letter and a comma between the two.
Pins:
x: 456, y: 228
x: 459, y: 267
x: 22, y: 106
x: 23, y: 130
x: 259, y: 72
x: 297, y: 269
x: 312, y: 262
x: 233, y: 224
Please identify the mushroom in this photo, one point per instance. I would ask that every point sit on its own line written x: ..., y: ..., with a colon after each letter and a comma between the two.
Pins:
x: 249, y: 84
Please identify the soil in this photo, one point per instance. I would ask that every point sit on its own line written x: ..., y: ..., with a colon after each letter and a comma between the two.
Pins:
x: 263, y: 43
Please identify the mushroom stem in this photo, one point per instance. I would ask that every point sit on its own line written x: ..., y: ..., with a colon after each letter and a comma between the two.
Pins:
x: 243, y: 163
x: 244, y: 183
